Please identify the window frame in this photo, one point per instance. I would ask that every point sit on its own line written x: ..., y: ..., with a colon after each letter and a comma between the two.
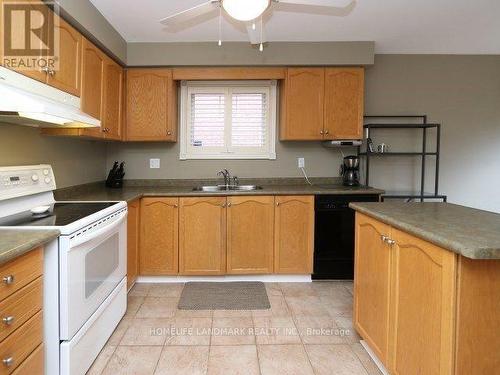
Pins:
x: 189, y: 152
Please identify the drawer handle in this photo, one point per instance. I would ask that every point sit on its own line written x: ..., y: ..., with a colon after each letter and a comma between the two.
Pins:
x: 8, y: 320
x: 8, y: 361
x: 8, y: 279
x: 384, y: 238
x: 391, y: 242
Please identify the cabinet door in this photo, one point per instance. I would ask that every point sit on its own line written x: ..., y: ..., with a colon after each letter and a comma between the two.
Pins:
x: 158, y: 254
x: 372, y: 284
x: 344, y: 96
x: 133, y: 221
x: 18, y: 36
x: 92, y: 80
x: 302, y: 98
x: 202, y: 231
x: 294, y: 234
x: 423, y: 307
x: 113, y: 95
x: 250, y: 235
x: 67, y: 77
x: 150, y: 105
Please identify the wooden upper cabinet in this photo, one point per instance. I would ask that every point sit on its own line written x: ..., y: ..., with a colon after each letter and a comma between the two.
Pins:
x: 302, y: 103
x: 250, y: 235
x: 158, y: 254
x: 68, y: 75
x: 133, y: 228
x: 151, y: 105
x: 344, y: 103
x: 112, y: 100
x: 294, y: 234
x: 92, y: 79
x: 423, y: 307
x: 372, y: 284
x: 202, y: 239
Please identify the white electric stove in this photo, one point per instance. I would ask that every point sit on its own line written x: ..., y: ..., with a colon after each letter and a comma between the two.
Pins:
x: 84, y: 269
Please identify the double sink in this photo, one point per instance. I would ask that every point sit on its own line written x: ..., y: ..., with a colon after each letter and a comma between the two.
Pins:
x: 218, y: 188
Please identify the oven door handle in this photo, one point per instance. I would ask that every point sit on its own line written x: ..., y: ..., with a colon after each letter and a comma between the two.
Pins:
x: 98, y: 233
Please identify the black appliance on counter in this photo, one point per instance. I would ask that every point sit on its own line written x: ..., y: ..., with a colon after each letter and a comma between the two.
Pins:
x: 334, y: 236
x: 349, y: 170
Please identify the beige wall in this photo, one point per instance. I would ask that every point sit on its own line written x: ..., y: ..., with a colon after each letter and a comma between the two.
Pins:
x: 242, y: 53
x: 74, y: 161
x: 89, y: 18
x: 460, y: 92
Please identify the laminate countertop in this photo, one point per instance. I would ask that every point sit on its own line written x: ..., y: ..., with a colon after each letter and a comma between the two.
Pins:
x: 14, y: 243
x: 469, y: 232
x: 184, y: 188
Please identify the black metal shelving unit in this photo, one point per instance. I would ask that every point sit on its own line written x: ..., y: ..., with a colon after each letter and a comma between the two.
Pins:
x: 424, y: 126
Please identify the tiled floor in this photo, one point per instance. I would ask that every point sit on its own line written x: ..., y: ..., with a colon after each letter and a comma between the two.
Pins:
x: 308, y: 330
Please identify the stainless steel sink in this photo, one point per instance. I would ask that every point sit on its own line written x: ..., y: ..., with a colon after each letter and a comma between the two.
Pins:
x: 216, y: 188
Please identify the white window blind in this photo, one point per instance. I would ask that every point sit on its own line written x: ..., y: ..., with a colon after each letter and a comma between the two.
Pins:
x: 228, y: 120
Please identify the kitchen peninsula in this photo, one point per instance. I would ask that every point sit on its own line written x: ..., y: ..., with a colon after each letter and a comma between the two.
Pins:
x: 427, y: 287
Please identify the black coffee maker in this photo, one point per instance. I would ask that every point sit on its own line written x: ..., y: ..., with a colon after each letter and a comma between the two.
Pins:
x: 349, y: 170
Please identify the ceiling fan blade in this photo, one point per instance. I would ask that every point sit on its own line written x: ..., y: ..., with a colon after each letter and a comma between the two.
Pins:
x: 191, y: 13
x: 321, y: 3
x: 254, y: 35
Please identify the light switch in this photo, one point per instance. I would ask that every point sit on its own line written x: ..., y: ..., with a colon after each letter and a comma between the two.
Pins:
x: 154, y: 163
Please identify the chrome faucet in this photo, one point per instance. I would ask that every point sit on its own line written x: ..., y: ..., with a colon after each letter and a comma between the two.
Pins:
x: 227, y: 176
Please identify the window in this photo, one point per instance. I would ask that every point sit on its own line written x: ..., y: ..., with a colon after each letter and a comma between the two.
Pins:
x: 228, y: 120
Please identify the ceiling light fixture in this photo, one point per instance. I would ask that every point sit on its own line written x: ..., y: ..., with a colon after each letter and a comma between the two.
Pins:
x: 245, y: 10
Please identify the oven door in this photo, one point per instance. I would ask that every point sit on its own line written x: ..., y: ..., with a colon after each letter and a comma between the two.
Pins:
x: 92, y: 263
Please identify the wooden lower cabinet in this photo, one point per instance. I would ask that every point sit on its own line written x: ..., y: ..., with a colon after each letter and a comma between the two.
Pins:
x: 202, y: 240
x: 423, y: 307
x: 294, y: 234
x: 478, y: 317
x: 250, y: 235
x: 159, y: 236
x: 133, y: 228
x: 372, y: 284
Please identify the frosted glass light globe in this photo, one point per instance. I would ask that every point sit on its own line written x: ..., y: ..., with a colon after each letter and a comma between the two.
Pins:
x: 245, y: 10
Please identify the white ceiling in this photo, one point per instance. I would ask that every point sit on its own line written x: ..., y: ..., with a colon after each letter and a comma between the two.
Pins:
x: 396, y: 26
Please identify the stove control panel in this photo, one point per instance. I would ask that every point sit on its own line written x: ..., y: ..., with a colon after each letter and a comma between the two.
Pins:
x: 25, y: 180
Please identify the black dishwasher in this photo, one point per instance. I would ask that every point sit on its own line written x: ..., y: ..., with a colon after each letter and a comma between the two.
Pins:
x: 334, y: 236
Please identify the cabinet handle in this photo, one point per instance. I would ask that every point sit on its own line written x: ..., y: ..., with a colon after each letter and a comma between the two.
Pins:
x: 8, y: 361
x: 391, y: 242
x: 327, y: 132
x: 277, y: 203
x: 229, y: 204
x: 8, y: 320
x: 8, y: 279
x: 51, y: 72
x: 223, y: 205
x: 321, y: 132
x: 176, y: 205
x: 384, y: 238
x: 169, y: 132
x: 45, y: 70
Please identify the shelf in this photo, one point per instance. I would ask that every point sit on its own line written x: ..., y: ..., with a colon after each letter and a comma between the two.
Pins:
x: 412, y: 195
x: 378, y: 154
x: 400, y: 126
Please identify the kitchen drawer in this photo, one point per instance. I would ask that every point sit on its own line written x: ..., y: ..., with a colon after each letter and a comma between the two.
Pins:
x: 33, y: 365
x: 20, y: 306
x: 21, y: 343
x: 20, y: 272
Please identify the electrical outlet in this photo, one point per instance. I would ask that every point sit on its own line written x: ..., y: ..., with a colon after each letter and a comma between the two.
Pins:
x: 154, y: 163
x: 301, y: 162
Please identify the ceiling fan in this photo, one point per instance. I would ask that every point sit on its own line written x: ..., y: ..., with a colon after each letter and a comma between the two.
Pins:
x: 251, y: 12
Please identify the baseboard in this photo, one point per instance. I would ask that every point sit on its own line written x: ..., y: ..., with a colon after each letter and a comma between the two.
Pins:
x: 226, y: 278
x: 372, y: 355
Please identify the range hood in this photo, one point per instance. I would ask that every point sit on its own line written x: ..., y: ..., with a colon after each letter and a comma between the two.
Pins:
x: 25, y: 101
